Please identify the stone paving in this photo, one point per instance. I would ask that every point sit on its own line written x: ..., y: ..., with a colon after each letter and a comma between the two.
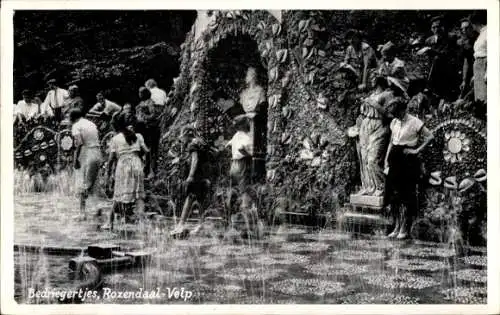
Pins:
x: 291, y: 264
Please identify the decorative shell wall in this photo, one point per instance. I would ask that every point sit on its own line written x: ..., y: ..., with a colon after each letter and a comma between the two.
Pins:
x: 311, y: 105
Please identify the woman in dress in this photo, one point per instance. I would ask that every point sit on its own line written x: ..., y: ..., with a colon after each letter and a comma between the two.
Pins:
x: 88, y: 158
x: 402, y: 166
x: 126, y: 149
x: 147, y: 125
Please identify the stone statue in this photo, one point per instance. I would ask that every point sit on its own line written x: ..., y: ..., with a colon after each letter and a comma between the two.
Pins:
x: 254, y: 103
x: 373, y: 136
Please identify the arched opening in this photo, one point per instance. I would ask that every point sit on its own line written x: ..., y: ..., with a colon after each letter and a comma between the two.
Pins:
x: 226, y: 79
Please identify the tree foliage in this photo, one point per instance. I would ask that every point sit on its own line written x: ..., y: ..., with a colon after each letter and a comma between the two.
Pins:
x: 114, y: 51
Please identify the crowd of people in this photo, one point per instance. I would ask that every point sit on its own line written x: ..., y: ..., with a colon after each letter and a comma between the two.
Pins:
x: 390, y: 129
x: 66, y: 109
x: 388, y: 114
x: 457, y: 66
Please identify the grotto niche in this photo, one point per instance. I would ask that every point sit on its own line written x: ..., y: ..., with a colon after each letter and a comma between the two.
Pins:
x: 235, y: 83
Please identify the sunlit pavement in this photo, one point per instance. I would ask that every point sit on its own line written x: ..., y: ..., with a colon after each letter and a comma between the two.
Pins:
x: 291, y: 264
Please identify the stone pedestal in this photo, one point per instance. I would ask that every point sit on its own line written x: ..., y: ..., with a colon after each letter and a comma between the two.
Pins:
x: 366, y: 201
x: 364, y: 214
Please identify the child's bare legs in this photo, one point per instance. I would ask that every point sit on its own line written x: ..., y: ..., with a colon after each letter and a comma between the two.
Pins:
x: 83, y: 202
x: 186, y: 212
x: 115, y: 208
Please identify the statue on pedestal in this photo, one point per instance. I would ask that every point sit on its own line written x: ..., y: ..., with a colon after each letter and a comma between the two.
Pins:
x: 373, y: 136
x: 254, y: 103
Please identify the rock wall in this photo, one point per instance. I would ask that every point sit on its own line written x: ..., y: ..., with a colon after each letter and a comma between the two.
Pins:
x: 311, y: 164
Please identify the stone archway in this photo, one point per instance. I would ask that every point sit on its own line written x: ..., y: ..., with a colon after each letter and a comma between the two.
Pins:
x: 262, y: 31
x: 226, y: 68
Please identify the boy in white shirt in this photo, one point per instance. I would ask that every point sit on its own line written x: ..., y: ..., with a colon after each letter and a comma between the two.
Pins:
x: 55, y: 98
x: 241, y: 149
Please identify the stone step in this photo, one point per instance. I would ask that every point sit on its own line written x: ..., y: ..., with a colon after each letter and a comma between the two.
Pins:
x: 362, y: 222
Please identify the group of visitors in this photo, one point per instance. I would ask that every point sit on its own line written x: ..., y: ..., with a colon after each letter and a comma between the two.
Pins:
x: 56, y: 105
x: 390, y: 129
x: 132, y: 151
x: 443, y: 80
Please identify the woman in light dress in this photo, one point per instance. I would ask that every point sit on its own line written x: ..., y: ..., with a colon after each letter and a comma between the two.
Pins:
x: 126, y: 149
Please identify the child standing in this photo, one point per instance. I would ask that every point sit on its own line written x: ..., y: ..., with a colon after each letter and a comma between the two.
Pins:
x: 241, y: 153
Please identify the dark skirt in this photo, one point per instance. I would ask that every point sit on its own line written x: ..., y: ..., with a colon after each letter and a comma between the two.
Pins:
x: 403, y: 177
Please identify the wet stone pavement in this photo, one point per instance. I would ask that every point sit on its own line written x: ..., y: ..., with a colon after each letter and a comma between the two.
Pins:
x: 291, y: 264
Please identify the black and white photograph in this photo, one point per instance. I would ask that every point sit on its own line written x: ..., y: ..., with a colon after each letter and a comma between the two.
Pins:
x: 249, y: 156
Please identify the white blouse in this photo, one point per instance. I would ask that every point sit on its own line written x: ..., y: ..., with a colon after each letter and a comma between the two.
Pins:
x: 240, y: 140
x: 406, y: 132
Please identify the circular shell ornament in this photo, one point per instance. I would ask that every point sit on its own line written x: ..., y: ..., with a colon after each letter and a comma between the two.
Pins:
x: 38, y: 135
x: 66, y: 143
